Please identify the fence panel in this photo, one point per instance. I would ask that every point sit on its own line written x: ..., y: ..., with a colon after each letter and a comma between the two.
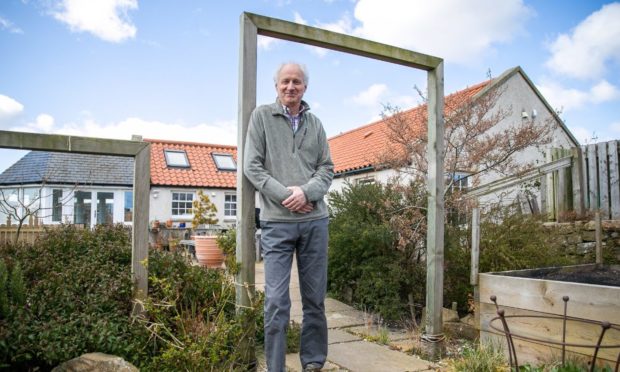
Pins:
x: 28, y: 234
x: 603, y: 178
x: 614, y: 179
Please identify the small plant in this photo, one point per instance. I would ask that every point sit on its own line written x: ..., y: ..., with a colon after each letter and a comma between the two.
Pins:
x: 293, y: 337
x: 204, y: 211
x: 480, y: 357
x: 4, y: 296
x: 227, y: 242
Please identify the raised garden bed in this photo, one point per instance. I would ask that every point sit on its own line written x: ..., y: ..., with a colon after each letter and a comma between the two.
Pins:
x: 594, y: 295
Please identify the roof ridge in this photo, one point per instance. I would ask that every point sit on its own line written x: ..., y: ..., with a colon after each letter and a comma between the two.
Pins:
x: 409, y: 110
x: 174, y: 142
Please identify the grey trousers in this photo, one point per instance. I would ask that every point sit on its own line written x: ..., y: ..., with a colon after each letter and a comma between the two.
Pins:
x: 308, y: 241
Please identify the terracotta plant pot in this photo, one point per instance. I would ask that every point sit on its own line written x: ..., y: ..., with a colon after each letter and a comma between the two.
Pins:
x: 207, y: 251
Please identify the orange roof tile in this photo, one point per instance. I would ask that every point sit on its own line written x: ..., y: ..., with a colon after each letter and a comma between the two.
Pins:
x: 202, y: 171
x: 360, y: 148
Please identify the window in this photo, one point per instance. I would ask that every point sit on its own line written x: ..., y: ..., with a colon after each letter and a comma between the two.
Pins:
x: 365, y: 181
x: 224, y: 162
x: 230, y: 205
x: 460, y: 182
x: 128, y: 211
x: 81, y: 207
x: 182, y: 203
x: 56, y: 205
x: 176, y: 158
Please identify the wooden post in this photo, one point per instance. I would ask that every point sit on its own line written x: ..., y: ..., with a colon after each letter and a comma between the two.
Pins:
x: 598, y: 233
x: 140, y: 229
x: 551, y: 202
x: 578, y: 178
x: 435, y: 220
x: 475, y: 261
x: 475, y: 245
x: 614, y: 179
x: 593, y: 196
x: 246, y: 254
x: 603, y: 180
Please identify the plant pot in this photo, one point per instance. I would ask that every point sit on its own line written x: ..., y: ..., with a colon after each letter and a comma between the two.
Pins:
x: 207, y: 251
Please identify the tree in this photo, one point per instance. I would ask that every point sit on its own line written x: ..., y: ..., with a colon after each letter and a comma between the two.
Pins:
x: 477, y: 142
x: 20, y: 204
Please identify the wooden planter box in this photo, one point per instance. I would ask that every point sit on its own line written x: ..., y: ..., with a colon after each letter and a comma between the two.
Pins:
x: 519, y: 294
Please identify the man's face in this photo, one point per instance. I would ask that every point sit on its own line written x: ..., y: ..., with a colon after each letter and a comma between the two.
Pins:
x: 290, y: 86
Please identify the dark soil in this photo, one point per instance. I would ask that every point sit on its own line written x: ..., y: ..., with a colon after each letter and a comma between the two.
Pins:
x: 588, y: 274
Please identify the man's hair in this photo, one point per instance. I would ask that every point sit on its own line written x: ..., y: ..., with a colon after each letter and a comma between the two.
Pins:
x: 302, y: 67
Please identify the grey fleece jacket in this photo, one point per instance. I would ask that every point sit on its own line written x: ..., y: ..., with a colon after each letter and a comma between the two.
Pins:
x: 275, y: 158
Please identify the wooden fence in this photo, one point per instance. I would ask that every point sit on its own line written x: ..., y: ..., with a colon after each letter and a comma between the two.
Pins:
x: 29, y: 233
x: 602, y: 175
x: 573, y: 182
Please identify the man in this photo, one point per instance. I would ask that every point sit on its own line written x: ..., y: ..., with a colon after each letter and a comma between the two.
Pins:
x: 287, y: 159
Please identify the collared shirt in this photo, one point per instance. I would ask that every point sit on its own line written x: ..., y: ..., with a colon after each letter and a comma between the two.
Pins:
x: 294, y: 120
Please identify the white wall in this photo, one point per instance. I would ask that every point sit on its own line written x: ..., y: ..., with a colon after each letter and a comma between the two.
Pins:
x: 46, y: 200
x: 161, y: 204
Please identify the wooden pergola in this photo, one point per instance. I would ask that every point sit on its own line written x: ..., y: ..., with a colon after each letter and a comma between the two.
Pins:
x: 253, y: 25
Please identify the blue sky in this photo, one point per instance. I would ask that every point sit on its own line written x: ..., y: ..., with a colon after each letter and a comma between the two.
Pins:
x: 168, y: 69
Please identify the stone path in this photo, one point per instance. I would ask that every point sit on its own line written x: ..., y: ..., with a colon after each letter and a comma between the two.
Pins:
x: 348, y: 328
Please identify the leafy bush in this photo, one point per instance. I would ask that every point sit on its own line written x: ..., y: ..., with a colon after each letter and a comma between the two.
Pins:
x: 369, y: 265
x: 78, y: 299
x: 377, y: 245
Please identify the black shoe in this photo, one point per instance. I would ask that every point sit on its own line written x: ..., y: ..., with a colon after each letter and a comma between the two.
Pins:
x: 312, y: 367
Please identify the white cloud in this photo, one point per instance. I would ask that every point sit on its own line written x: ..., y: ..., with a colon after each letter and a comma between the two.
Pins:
x: 5, y: 24
x: 297, y: 18
x: 604, y: 91
x: 266, y: 42
x: 376, y: 95
x: 9, y: 107
x: 592, y: 44
x: 44, y: 123
x: 566, y: 99
x: 371, y: 96
x: 615, y: 127
x: 106, y: 19
x: 221, y: 132
x: 458, y: 31
x: 583, y: 135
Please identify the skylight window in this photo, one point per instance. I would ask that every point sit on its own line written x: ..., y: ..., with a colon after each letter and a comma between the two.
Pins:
x: 176, y: 158
x: 224, y: 161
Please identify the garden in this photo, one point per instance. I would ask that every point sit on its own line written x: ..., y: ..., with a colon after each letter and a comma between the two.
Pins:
x: 70, y: 293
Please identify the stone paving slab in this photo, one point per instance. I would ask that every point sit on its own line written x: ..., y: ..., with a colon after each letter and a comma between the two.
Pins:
x: 374, y: 331
x: 363, y: 356
x: 342, y: 319
x: 337, y: 336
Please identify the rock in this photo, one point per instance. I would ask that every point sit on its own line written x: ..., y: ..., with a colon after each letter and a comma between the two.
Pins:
x: 447, y: 315
x: 469, y: 319
x: 96, y: 362
x: 461, y: 330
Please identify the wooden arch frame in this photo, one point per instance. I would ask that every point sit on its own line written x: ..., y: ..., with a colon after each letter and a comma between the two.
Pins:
x: 253, y: 25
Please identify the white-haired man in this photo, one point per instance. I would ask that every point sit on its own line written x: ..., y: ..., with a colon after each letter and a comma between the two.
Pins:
x: 287, y: 159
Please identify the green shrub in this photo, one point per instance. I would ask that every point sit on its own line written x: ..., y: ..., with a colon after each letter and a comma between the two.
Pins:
x: 369, y: 265
x: 4, y: 294
x: 377, y: 244
x: 78, y: 299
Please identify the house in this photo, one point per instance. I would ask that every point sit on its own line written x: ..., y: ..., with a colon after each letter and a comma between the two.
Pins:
x: 93, y: 189
x: 358, y: 153
x: 72, y: 188
x: 180, y: 169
